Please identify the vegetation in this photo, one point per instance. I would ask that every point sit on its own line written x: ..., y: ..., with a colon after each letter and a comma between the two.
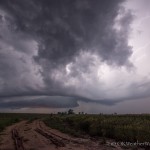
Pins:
x: 129, y: 128
x: 7, y: 119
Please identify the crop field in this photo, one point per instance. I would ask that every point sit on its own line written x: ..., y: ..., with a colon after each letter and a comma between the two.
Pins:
x: 119, y: 127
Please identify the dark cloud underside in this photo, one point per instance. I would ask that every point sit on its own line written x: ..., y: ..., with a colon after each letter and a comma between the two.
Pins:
x: 47, y: 102
x: 63, y: 28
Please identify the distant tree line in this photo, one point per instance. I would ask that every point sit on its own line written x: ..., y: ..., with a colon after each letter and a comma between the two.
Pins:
x: 69, y: 112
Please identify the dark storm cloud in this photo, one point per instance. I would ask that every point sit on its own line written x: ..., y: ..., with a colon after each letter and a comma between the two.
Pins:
x: 63, y: 28
x: 18, y: 102
x: 38, y: 101
x: 60, y: 31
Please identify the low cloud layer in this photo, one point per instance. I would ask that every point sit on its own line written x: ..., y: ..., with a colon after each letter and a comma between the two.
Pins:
x: 38, y: 102
x: 48, y: 102
x: 67, y: 48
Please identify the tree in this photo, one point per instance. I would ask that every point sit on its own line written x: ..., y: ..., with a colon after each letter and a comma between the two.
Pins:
x: 70, y: 111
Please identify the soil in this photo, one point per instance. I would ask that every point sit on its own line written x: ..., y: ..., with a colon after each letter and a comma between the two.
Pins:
x: 37, y: 136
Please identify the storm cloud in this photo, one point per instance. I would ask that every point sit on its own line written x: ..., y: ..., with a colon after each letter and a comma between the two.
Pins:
x: 48, y: 102
x: 68, y: 49
x: 65, y: 28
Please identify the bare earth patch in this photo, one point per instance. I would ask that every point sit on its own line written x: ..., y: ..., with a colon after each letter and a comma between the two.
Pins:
x: 37, y: 136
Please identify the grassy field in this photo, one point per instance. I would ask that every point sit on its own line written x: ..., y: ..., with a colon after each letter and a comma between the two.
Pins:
x: 7, y: 119
x: 129, y: 128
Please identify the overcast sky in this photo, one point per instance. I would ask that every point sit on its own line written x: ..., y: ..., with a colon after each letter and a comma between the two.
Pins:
x: 89, y: 55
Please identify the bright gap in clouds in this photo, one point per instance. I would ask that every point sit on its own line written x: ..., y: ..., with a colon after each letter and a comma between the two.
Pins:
x: 126, y: 83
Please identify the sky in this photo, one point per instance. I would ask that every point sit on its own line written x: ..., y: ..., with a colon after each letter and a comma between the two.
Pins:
x: 89, y: 55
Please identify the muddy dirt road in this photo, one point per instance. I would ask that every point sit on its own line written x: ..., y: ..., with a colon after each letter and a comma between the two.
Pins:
x: 37, y: 136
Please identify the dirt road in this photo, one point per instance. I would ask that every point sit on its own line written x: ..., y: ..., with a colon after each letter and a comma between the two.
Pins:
x: 37, y: 136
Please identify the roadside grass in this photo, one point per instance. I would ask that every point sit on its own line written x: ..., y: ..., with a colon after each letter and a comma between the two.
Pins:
x: 7, y: 119
x: 126, y: 128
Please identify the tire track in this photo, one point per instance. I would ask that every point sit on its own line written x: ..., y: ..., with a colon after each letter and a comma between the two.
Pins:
x: 67, y: 139
x: 8, y: 142
x: 32, y: 140
x: 55, y: 141
x: 17, y: 140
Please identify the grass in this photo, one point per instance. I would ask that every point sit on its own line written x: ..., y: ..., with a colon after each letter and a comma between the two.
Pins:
x: 130, y: 128
x: 7, y: 119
